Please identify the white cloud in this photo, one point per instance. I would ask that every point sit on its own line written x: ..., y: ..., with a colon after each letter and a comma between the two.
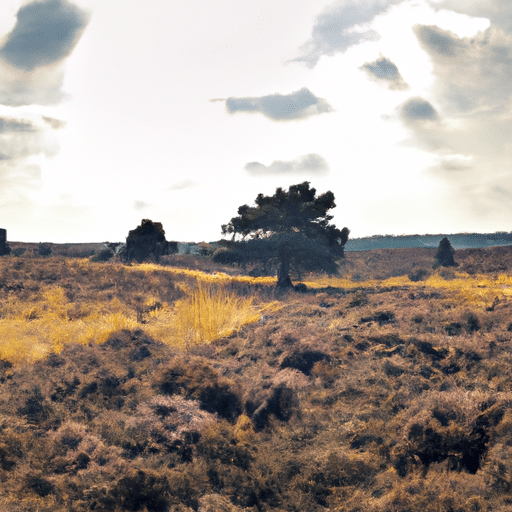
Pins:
x: 311, y: 164
x: 342, y: 25
x: 281, y: 107
x: 44, y: 35
x: 385, y: 71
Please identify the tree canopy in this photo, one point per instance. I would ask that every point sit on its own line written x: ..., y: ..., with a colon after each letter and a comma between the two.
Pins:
x: 292, y: 227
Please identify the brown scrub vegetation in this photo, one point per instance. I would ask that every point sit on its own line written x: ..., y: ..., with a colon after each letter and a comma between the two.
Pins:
x: 373, y: 390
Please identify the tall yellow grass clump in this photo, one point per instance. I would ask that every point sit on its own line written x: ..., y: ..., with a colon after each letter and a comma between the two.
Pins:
x: 207, y: 313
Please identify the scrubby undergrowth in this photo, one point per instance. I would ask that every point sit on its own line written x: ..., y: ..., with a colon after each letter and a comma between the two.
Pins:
x: 377, y: 397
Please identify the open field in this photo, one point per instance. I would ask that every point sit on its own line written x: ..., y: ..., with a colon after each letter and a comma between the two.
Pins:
x: 191, y: 386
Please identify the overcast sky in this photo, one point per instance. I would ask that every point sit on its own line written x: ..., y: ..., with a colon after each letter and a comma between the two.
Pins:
x: 180, y: 111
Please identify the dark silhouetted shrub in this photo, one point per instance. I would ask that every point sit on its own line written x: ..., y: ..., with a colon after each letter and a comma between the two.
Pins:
x: 143, y: 490
x: 471, y: 321
x: 104, y: 255
x: 444, y: 255
x: 44, y: 250
x: 303, y: 360
x: 419, y: 274
x: 146, y: 242
x: 198, y: 380
x: 301, y: 288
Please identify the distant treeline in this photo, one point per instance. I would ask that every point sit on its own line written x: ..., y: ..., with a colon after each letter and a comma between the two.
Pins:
x: 458, y: 241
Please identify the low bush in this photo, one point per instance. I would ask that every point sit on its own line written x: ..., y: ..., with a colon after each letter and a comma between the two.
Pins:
x: 420, y: 274
x: 102, y: 256
x: 196, y: 379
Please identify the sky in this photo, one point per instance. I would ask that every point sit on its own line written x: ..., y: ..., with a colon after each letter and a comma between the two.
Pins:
x: 180, y: 111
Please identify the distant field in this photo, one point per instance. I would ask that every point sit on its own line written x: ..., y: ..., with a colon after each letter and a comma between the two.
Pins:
x: 72, y: 250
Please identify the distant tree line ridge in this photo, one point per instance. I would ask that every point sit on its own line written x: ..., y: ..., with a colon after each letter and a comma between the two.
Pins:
x: 458, y: 240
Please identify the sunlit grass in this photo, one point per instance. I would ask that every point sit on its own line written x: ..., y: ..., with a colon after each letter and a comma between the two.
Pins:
x: 348, y: 283
x: 478, y: 290
x: 217, y: 277
x: 31, y: 329
x: 47, y: 320
x: 208, y: 313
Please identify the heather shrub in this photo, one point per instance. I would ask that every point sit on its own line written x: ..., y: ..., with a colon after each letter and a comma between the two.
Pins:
x: 447, y: 426
x: 439, y: 490
x: 44, y: 250
x: 471, y: 321
x: 358, y: 299
x: 102, y: 256
x: 302, y: 359
x: 326, y: 372
x: 408, y: 411
x: 419, y: 274
x: 166, y: 424
x: 498, y: 468
x: 267, y: 400
x: 324, y: 473
x: 381, y: 317
x: 198, y: 380
x: 216, y: 503
x: 142, y: 490
x: 219, y: 442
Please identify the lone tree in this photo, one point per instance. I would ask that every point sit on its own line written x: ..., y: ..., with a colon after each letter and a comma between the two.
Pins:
x: 444, y: 255
x: 291, y: 228
x: 145, y: 242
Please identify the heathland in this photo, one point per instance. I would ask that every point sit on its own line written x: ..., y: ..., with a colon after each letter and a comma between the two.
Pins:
x: 189, y: 385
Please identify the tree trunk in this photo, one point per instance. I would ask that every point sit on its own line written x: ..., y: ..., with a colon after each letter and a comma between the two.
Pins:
x: 283, y: 277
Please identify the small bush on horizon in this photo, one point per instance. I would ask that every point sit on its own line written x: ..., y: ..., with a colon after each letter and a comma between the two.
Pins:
x: 103, y: 256
x: 44, y: 250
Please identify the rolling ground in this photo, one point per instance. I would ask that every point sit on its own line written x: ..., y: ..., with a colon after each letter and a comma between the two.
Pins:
x: 188, y: 386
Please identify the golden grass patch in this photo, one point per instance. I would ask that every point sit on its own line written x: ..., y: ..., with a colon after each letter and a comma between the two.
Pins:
x: 478, y: 290
x: 207, y: 313
x: 30, y: 330
x: 48, y: 321
x: 216, y: 277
